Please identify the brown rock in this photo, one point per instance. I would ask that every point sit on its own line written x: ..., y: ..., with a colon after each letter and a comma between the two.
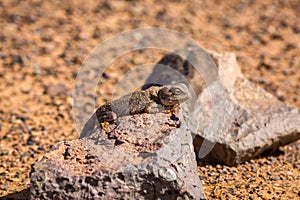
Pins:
x: 250, y: 120
x: 144, y: 156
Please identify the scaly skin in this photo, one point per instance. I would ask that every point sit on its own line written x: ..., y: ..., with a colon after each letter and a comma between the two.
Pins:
x: 152, y: 100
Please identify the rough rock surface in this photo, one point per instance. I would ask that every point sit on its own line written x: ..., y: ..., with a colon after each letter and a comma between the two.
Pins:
x: 253, y: 120
x: 144, y: 156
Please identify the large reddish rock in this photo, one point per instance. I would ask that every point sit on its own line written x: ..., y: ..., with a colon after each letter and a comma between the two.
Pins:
x: 250, y: 120
x: 143, y: 156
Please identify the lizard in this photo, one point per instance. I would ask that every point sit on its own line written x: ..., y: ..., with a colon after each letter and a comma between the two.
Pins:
x: 151, y: 100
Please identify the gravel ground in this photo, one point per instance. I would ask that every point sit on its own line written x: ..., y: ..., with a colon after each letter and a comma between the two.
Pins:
x: 43, y: 44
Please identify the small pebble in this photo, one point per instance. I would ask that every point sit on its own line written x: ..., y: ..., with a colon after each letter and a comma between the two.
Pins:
x: 30, y: 142
x: 251, y: 180
x: 4, y: 152
x: 4, y: 187
x: 41, y: 148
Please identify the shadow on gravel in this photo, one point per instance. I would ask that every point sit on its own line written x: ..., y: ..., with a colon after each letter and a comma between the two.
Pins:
x: 23, y: 194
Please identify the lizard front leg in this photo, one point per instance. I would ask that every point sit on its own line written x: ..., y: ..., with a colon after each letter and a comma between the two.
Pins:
x: 106, y: 116
x: 99, y: 118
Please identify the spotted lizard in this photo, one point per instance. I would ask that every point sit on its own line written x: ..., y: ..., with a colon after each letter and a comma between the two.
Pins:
x: 151, y: 100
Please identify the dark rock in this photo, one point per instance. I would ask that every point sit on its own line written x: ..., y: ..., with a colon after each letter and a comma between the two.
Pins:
x: 96, y: 33
x: 17, y: 59
x: 21, y: 117
x: 4, y: 152
x: 144, y: 156
x: 30, y: 140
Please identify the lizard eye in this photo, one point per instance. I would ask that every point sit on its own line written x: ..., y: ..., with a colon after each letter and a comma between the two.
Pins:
x: 176, y: 91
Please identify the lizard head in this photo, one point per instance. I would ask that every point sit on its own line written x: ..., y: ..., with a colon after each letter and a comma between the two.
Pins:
x: 173, y: 94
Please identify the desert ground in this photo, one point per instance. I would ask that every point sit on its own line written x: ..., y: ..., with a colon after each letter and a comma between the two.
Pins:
x: 44, y: 43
